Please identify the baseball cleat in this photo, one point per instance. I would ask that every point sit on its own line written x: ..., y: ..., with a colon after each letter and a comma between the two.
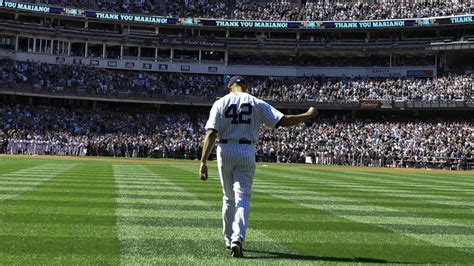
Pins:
x: 236, y: 250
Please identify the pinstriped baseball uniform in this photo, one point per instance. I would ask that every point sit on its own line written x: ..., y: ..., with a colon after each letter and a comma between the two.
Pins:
x: 237, y: 117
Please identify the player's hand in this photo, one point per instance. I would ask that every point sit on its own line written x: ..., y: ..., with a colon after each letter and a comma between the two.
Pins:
x: 312, y: 112
x: 203, y: 171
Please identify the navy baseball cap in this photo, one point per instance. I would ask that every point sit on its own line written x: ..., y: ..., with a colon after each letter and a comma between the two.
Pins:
x: 235, y: 79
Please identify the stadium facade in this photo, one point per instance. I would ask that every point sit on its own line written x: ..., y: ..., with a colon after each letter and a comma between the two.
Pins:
x: 406, y: 49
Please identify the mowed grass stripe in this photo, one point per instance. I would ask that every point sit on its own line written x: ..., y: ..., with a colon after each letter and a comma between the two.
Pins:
x: 370, y: 204
x: 325, y: 200
x: 357, y: 180
x: 134, y: 231
x: 385, y: 195
x: 437, y: 174
x: 325, y: 222
x: 138, y: 232
x: 342, y: 186
x: 9, y: 167
x: 336, y: 201
x: 449, y: 177
x: 380, y: 221
x: 369, y: 191
x: 417, y: 180
x: 164, y: 245
x: 101, y: 250
x: 343, y: 206
x: 389, y: 251
x: 84, y: 259
x: 42, y: 173
x: 159, y: 200
x: 308, y: 224
x: 394, y: 188
x: 193, y: 220
x: 414, y: 187
x: 314, y: 178
x: 77, y: 189
x: 255, y: 248
x: 388, y: 181
x: 371, y: 212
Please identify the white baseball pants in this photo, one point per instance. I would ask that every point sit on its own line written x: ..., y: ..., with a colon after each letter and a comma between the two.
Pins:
x: 236, y: 165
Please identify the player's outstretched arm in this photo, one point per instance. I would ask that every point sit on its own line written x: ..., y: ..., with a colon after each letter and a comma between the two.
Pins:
x: 291, y: 120
x: 209, y: 142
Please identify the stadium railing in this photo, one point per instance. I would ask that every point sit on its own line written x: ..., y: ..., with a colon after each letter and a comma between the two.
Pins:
x: 7, y: 88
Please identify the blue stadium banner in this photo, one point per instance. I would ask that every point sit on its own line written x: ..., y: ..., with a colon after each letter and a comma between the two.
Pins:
x: 368, y: 24
x: 220, y: 23
x: 455, y: 20
x: 26, y: 7
x: 130, y: 18
x: 250, y: 24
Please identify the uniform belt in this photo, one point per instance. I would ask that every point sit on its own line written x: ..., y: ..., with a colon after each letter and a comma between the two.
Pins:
x: 242, y: 141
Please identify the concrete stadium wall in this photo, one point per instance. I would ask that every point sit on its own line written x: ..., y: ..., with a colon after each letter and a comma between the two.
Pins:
x: 220, y: 68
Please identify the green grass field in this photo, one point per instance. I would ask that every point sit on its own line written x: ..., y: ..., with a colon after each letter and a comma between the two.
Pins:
x: 113, y: 211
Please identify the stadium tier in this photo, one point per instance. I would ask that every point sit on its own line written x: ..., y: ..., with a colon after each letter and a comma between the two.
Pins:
x: 394, y: 142
x: 87, y: 81
x: 273, y: 9
x: 393, y: 79
x: 383, y: 39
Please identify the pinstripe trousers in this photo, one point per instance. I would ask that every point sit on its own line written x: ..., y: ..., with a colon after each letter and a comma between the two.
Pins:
x: 236, y: 165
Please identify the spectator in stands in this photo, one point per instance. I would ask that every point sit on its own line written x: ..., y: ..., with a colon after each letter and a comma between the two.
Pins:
x: 371, y: 143
x: 339, y: 11
x: 198, y: 9
x: 80, y: 132
x: 275, y: 9
x: 90, y: 81
x: 332, y: 140
x: 352, y: 89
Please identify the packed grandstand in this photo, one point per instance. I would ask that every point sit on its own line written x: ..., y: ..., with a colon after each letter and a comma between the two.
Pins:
x: 274, y: 9
x: 334, y: 139
x: 77, y: 82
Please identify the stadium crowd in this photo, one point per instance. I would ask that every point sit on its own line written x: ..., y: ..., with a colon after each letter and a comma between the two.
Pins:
x: 349, y: 89
x: 343, y: 10
x: 330, y: 140
x: 65, y: 3
x: 90, y: 81
x: 147, y: 7
x: 198, y: 8
x: 275, y: 9
x: 371, y: 143
x: 81, y: 132
x: 372, y: 61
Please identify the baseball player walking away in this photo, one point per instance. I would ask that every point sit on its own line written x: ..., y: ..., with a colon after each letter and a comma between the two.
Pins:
x: 236, y: 119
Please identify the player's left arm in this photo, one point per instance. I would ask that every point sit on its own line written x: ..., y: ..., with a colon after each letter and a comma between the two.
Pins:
x: 212, y: 126
x: 209, y: 142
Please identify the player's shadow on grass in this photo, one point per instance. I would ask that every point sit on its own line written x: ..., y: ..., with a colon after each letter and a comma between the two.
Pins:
x: 278, y: 255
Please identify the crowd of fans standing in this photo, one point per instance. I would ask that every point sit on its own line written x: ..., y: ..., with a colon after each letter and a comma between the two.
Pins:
x: 371, y: 143
x: 357, y: 10
x: 447, y: 88
x: 90, y: 81
x: 76, y: 131
x: 275, y: 9
x: 81, y: 131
